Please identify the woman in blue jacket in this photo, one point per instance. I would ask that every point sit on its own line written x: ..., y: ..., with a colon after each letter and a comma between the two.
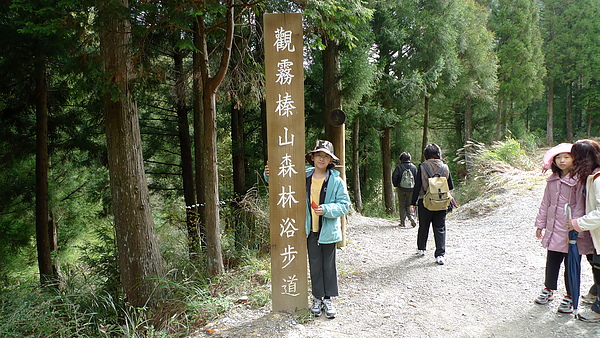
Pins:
x: 327, y: 201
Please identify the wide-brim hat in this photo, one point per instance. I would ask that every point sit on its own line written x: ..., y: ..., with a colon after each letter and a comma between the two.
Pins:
x: 550, y: 154
x: 324, y: 146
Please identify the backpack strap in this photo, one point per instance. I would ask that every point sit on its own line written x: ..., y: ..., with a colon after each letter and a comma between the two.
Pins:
x: 442, y: 169
x: 429, y: 174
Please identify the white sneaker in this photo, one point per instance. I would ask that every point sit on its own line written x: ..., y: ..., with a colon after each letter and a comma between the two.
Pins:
x: 421, y: 253
x: 316, y: 307
x: 589, y: 316
x: 546, y: 296
x: 440, y: 260
x: 329, y: 308
x: 588, y: 299
x: 566, y: 306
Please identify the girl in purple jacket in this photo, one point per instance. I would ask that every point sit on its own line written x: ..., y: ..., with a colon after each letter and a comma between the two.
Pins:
x: 561, y: 188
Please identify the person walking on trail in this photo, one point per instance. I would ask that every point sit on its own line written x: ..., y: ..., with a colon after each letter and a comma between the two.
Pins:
x: 586, y: 165
x: 432, y: 166
x: 403, y: 179
x: 327, y: 200
x: 562, y: 187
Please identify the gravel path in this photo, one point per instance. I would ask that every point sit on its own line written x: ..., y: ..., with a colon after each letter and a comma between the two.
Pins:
x: 494, y: 269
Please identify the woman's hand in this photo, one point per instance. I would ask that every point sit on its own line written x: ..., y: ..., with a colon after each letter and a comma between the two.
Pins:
x: 569, y: 225
x: 538, y: 233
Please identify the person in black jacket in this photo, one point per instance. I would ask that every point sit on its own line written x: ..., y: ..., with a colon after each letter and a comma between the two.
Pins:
x: 404, y: 188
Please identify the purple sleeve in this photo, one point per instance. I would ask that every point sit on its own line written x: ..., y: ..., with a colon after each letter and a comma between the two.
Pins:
x: 578, y: 207
x: 542, y: 216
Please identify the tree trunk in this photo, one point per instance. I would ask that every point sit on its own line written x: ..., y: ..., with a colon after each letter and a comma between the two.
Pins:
x: 187, y: 167
x: 499, y: 119
x: 468, y: 121
x: 425, y: 126
x: 356, y: 165
x: 260, y: 58
x: 42, y: 231
x: 386, y: 156
x: 332, y: 85
x: 459, y: 125
x: 197, y: 85
x: 569, y: 113
x: 140, y: 261
x: 211, y: 185
x: 241, y: 228
x: 527, y: 120
x: 332, y: 82
x: 581, y: 110
x: 208, y: 147
x: 238, y: 145
x: 550, y: 118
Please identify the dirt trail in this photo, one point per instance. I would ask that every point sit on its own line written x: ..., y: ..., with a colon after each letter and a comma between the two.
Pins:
x: 494, y: 269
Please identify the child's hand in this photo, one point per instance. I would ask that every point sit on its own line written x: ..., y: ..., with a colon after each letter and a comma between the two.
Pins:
x: 538, y: 233
x: 317, y: 208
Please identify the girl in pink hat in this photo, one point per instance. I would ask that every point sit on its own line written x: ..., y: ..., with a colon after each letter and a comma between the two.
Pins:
x: 562, y: 187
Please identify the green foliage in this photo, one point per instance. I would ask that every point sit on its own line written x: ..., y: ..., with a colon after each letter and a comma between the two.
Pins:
x: 85, y: 306
x: 375, y: 208
x: 516, y: 24
x: 304, y: 316
x: 29, y: 311
x: 193, y: 299
x: 336, y: 19
x: 99, y: 264
x: 533, y: 140
x: 509, y: 152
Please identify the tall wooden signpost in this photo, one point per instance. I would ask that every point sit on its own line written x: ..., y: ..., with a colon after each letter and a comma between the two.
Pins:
x: 286, y: 147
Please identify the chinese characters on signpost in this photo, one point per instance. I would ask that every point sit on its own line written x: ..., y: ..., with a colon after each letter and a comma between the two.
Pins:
x: 285, y: 139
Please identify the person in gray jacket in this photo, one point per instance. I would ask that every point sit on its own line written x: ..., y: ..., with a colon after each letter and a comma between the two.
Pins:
x: 437, y: 219
x: 404, y: 183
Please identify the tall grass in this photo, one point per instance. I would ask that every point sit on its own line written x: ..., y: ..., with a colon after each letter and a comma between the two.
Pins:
x: 486, y: 166
x: 89, y: 302
x: 187, y: 301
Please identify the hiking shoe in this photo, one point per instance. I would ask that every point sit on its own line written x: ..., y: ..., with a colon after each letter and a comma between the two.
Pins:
x: 546, y: 296
x: 440, y: 260
x: 421, y: 253
x: 589, y: 316
x: 566, y: 305
x: 329, y: 308
x: 588, y: 299
x: 413, y: 223
x: 315, y: 309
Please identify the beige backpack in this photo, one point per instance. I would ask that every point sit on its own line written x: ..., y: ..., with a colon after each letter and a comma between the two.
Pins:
x: 437, y: 197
